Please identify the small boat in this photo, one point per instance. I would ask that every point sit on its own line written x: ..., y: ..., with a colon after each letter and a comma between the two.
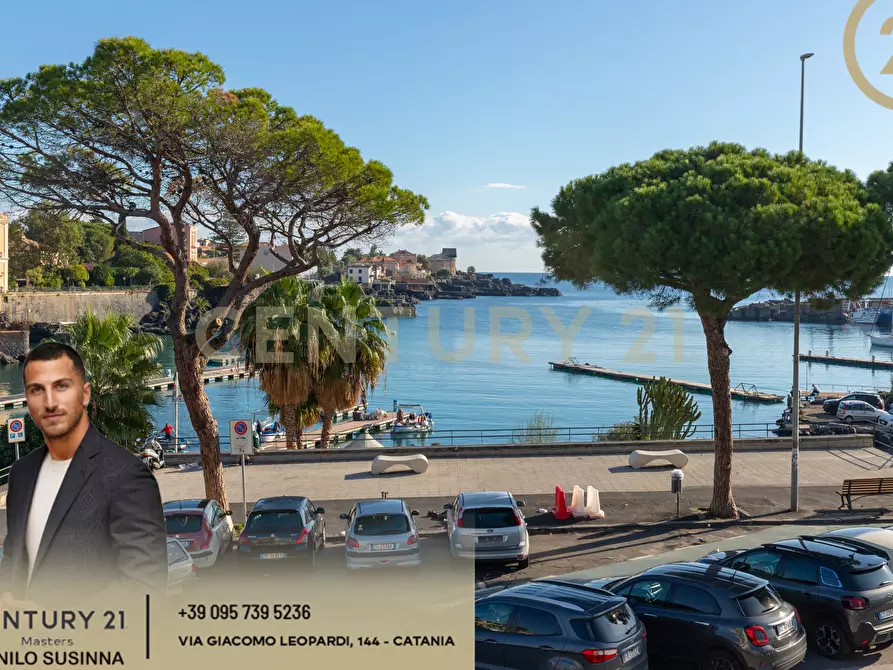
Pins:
x: 270, y: 433
x: 881, y: 340
x: 415, y: 420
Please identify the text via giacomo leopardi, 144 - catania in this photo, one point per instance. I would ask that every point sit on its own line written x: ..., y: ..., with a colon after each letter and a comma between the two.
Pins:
x: 295, y: 613
x: 49, y: 637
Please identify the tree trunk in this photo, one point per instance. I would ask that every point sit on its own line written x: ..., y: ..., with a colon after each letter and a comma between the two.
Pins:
x: 718, y: 362
x: 299, y: 433
x: 190, y: 367
x: 326, y: 430
x: 289, y: 420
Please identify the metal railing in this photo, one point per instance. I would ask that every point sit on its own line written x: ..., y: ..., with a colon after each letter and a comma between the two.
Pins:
x: 4, y: 474
x: 484, y: 436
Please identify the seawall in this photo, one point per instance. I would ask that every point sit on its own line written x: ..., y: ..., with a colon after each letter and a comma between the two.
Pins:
x: 28, y: 307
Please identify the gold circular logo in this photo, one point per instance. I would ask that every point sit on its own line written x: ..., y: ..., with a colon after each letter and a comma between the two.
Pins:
x: 849, y: 54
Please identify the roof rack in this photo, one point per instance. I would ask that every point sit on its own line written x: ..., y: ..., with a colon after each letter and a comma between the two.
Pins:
x: 575, y: 585
x: 818, y: 540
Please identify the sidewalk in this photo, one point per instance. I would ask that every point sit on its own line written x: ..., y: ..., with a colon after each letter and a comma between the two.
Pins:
x: 532, y: 475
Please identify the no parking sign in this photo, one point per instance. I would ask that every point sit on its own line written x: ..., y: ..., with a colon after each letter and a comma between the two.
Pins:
x: 16, y: 430
x: 240, y: 442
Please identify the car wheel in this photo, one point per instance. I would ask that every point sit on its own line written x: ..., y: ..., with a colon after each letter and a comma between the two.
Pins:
x: 524, y: 563
x: 830, y: 641
x: 849, y: 419
x: 720, y: 660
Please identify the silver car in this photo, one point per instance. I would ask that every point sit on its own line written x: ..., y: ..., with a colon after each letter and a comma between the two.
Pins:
x: 488, y: 526
x: 381, y: 534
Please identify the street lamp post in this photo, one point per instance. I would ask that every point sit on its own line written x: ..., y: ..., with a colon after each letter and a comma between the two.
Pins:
x: 795, y: 393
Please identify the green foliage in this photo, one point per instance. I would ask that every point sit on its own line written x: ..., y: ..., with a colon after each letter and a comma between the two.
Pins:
x: 24, y: 254
x: 538, y: 430
x: 218, y: 270
x: 351, y: 256
x: 125, y: 276
x: 41, y: 278
x: 75, y: 275
x: 628, y: 431
x: 471, y: 270
x: 444, y: 274
x: 98, y: 243
x: 198, y: 272
x: 165, y: 293
x: 666, y: 411
x: 102, y: 275
x: 717, y: 224
x: 423, y: 261
x: 59, y: 237
x: 33, y: 440
x: 119, y: 365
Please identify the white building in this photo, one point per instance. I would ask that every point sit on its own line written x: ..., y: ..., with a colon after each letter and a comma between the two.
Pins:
x: 365, y: 274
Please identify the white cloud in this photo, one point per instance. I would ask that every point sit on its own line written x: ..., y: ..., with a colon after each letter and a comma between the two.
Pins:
x: 500, y: 185
x: 504, y: 241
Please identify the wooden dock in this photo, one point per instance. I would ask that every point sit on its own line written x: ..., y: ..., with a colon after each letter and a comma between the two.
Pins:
x: 158, y: 383
x: 341, y: 432
x: 751, y: 395
x: 872, y: 362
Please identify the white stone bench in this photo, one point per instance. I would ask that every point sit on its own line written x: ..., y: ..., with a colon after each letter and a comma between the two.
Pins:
x: 418, y: 463
x: 641, y: 458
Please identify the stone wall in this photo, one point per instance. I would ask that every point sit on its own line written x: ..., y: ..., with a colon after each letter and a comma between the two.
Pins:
x: 15, y: 343
x: 27, y: 307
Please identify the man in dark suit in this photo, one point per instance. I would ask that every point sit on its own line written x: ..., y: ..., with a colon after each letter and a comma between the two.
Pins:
x: 84, y: 515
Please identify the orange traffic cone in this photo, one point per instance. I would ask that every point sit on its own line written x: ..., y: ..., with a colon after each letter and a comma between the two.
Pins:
x: 560, y: 511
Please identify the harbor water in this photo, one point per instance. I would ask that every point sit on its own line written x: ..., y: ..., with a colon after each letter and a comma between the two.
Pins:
x: 484, y: 363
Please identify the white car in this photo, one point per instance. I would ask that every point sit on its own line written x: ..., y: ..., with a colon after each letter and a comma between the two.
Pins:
x: 857, y: 410
x: 181, y: 568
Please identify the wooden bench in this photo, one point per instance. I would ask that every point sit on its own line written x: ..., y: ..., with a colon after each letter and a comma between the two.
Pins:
x: 859, y: 488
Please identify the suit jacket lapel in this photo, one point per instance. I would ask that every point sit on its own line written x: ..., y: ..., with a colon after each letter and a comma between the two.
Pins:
x: 83, y: 463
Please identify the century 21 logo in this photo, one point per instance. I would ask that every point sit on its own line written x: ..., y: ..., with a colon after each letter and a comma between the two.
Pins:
x: 852, y: 62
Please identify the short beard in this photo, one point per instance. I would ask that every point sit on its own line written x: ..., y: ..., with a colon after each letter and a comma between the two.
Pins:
x: 77, y: 420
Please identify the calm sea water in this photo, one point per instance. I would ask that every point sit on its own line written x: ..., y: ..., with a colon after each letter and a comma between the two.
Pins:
x: 484, y: 363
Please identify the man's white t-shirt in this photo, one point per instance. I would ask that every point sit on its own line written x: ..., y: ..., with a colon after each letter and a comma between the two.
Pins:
x: 49, y: 480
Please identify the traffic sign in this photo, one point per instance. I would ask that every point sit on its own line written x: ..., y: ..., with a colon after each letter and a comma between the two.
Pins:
x: 240, y: 442
x: 16, y: 430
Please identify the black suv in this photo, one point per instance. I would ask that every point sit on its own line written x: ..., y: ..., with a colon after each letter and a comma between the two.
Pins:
x: 831, y: 404
x: 844, y: 596
x: 284, y: 528
x: 711, y: 617
x: 547, y: 624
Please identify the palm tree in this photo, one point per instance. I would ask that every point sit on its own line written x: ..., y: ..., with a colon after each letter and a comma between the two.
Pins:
x: 354, y: 352
x: 305, y: 415
x: 119, y: 363
x: 288, y: 362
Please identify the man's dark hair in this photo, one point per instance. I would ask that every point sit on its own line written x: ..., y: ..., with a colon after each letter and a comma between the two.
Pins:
x: 52, y: 351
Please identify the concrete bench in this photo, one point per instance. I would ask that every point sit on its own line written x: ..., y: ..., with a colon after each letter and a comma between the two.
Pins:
x: 418, y: 463
x: 640, y: 458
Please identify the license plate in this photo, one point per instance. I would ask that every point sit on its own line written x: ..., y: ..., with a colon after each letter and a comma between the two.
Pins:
x: 630, y: 654
x: 886, y: 614
x: 785, y: 627
x: 490, y: 538
x: 383, y: 547
x: 269, y: 556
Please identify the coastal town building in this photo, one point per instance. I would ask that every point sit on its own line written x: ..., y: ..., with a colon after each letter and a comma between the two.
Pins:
x: 365, y: 274
x: 153, y: 236
x: 405, y: 259
x: 445, y: 260
x: 388, y: 264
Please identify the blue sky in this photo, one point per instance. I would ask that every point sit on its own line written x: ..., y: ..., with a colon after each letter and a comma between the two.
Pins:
x: 457, y: 95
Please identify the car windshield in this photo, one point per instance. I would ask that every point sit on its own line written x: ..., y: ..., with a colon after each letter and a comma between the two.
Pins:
x: 759, y: 602
x: 175, y: 524
x: 381, y: 524
x: 489, y: 517
x: 866, y: 580
x: 274, y: 522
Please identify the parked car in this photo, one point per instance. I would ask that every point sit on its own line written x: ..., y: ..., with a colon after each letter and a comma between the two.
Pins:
x: 283, y: 528
x: 844, y: 596
x: 867, y: 539
x: 488, y: 526
x: 830, y: 405
x: 857, y: 410
x: 203, y: 527
x: 714, y: 617
x: 381, y: 533
x: 181, y: 569
x: 547, y: 624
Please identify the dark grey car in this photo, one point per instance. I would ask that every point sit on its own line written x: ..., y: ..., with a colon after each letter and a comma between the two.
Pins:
x: 844, y: 596
x: 549, y: 624
x: 713, y: 618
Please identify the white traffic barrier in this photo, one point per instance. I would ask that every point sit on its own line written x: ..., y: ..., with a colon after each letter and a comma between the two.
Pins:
x: 578, y: 504
x: 593, y: 505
